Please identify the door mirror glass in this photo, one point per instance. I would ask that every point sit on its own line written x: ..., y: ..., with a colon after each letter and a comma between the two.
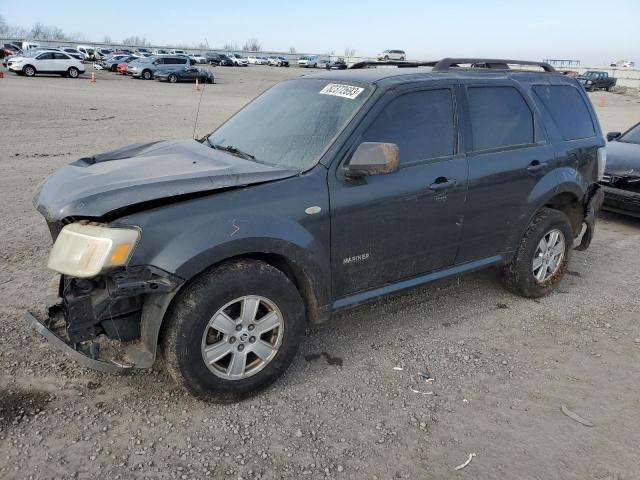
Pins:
x: 374, y: 158
x: 613, y: 136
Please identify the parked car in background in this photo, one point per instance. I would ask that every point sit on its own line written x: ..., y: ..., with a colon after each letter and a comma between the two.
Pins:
x: 177, y: 52
x: 238, y: 60
x: 148, y: 67
x: 595, y: 80
x: 8, y: 49
x: 197, y: 58
x: 185, y: 74
x: 570, y: 73
x: 325, y: 192
x: 323, y: 63
x: 277, y: 61
x: 88, y: 51
x: 75, y: 53
x: 213, y: 58
x: 102, y: 53
x: 392, y: 55
x: 112, y: 62
x: 255, y: 60
x: 308, y: 61
x: 621, y: 178
x: 32, y: 63
x: 337, y: 64
x: 123, y: 66
x: 225, y: 60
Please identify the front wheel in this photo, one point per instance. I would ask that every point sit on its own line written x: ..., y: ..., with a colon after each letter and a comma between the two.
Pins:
x: 233, y: 331
x: 146, y: 75
x: 542, y: 256
x: 29, y: 71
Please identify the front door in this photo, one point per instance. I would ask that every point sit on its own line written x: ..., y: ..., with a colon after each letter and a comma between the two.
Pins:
x: 385, y: 228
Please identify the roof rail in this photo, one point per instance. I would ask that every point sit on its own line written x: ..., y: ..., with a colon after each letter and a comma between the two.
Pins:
x: 446, y: 64
x: 488, y: 63
x: 393, y: 63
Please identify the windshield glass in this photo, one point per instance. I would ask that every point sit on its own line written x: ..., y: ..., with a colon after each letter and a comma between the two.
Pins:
x: 632, y: 136
x: 293, y: 123
x: 588, y: 74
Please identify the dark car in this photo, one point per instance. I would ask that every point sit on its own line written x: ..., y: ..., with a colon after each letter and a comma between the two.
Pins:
x: 337, y: 64
x: 213, y: 58
x: 187, y: 74
x: 593, y: 80
x: 225, y: 60
x: 8, y: 49
x: 325, y: 192
x: 621, y: 178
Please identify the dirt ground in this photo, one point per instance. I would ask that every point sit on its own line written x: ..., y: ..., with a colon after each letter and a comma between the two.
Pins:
x: 503, y: 366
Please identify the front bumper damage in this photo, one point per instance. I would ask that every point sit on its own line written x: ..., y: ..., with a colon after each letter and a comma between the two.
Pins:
x: 110, y: 323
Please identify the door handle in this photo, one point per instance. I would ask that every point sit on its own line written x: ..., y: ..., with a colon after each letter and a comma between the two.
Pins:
x: 441, y: 183
x: 536, y: 166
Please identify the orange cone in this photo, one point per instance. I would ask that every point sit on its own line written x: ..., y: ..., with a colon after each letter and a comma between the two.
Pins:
x: 93, y: 77
x: 197, y: 87
x: 602, y: 100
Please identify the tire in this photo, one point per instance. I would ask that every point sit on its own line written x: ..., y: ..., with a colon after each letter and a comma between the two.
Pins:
x: 73, y: 72
x: 402, y: 59
x: 114, y: 68
x: 189, y: 331
x: 519, y: 275
x: 29, y: 71
x: 173, y: 78
x: 147, y: 75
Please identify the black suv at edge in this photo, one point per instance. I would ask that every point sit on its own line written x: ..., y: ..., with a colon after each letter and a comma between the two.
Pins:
x: 325, y: 192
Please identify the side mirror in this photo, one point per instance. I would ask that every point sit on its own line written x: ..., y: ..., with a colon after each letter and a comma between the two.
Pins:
x: 611, y: 136
x: 374, y: 158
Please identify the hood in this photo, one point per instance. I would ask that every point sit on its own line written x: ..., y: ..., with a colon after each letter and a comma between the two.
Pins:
x: 623, y: 158
x: 138, y: 173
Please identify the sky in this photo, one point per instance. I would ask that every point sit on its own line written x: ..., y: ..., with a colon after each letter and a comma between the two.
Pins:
x: 590, y: 31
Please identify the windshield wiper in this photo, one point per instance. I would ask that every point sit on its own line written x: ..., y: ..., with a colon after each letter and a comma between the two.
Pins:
x: 234, y: 151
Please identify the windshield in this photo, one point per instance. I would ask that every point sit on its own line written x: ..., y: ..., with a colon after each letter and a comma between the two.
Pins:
x: 589, y: 74
x: 293, y: 123
x: 632, y: 136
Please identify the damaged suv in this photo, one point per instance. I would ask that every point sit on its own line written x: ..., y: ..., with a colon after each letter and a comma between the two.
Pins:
x: 325, y: 192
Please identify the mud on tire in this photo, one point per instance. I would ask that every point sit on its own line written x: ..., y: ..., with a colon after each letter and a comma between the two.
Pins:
x: 518, y: 275
x: 189, y: 319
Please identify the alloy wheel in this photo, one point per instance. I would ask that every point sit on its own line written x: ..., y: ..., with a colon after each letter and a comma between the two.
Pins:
x: 242, y: 337
x: 548, y: 256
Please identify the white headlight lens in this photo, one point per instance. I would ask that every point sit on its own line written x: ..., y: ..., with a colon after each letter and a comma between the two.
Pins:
x: 86, y: 250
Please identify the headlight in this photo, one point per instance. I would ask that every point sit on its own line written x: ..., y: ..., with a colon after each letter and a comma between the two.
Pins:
x: 84, y: 251
x: 602, y: 162
x: 589, y: 82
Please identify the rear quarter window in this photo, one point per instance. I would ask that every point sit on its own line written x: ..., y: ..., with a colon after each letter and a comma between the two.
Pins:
x: 567, y: 109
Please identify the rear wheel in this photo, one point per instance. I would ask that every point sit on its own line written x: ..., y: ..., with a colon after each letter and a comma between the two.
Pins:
x: 73, y: 72
x: 542, y: 256
x: 234, y: 330
x: 173, y: 78
x: 402, y: 58
x: 29, y: 71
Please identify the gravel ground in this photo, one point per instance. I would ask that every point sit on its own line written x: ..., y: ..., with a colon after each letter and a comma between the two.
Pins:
x: 502, y: 365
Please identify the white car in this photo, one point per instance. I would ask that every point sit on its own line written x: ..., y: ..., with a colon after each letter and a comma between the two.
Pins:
x: 197, y: 58
x: 46, y: 62
x: 238, y: 60
x: 308, y: 61
x: 392, y: 55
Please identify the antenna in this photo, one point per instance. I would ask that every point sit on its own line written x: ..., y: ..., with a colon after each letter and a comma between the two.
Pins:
x: 204, y: 85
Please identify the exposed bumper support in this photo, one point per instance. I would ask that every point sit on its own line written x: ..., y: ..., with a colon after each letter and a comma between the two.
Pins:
x: 80, y: 357
x: 592, y: 205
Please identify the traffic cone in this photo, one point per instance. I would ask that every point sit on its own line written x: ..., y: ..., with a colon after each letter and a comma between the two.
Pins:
x: 93, y: 77
x: 197, y: 87
x: 602, y: 100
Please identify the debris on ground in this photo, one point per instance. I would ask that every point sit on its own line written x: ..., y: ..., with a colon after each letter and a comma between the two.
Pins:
x: 423, y: 393
x: 461, y: 466
x: 576, y: 417
x: 399, y: 369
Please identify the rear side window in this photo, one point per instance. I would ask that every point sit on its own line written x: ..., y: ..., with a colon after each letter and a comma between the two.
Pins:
x: 568, y: 110
x: 180, y: 61
x: 60, y: 56
x: 420, y: 123
x: 499, y: 118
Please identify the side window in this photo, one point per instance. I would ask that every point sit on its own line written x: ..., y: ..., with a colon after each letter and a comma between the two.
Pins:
x: 60, y: 56
x: 499, y: 118
x: 567, y: 109
x: 45, y: 56
x: 420, y: 123
x: 180, y: 61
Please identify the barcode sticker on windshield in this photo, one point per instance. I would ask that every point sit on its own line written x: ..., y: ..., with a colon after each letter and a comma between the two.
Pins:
x: 337, y: 90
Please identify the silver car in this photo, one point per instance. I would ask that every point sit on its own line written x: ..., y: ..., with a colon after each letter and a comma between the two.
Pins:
x: 146, y: 67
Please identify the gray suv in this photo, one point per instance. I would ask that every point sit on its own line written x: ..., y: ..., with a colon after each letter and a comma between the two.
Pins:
x: 147, y: 67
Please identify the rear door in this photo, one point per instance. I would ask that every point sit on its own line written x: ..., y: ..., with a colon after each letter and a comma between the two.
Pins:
x: 509, y: 154
x: 386, y: 228
x: 62, y: 62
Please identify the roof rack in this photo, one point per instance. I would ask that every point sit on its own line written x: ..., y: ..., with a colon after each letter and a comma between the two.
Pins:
x: 446, y: 64
x: 393, y: 63
x: 488, y: 63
